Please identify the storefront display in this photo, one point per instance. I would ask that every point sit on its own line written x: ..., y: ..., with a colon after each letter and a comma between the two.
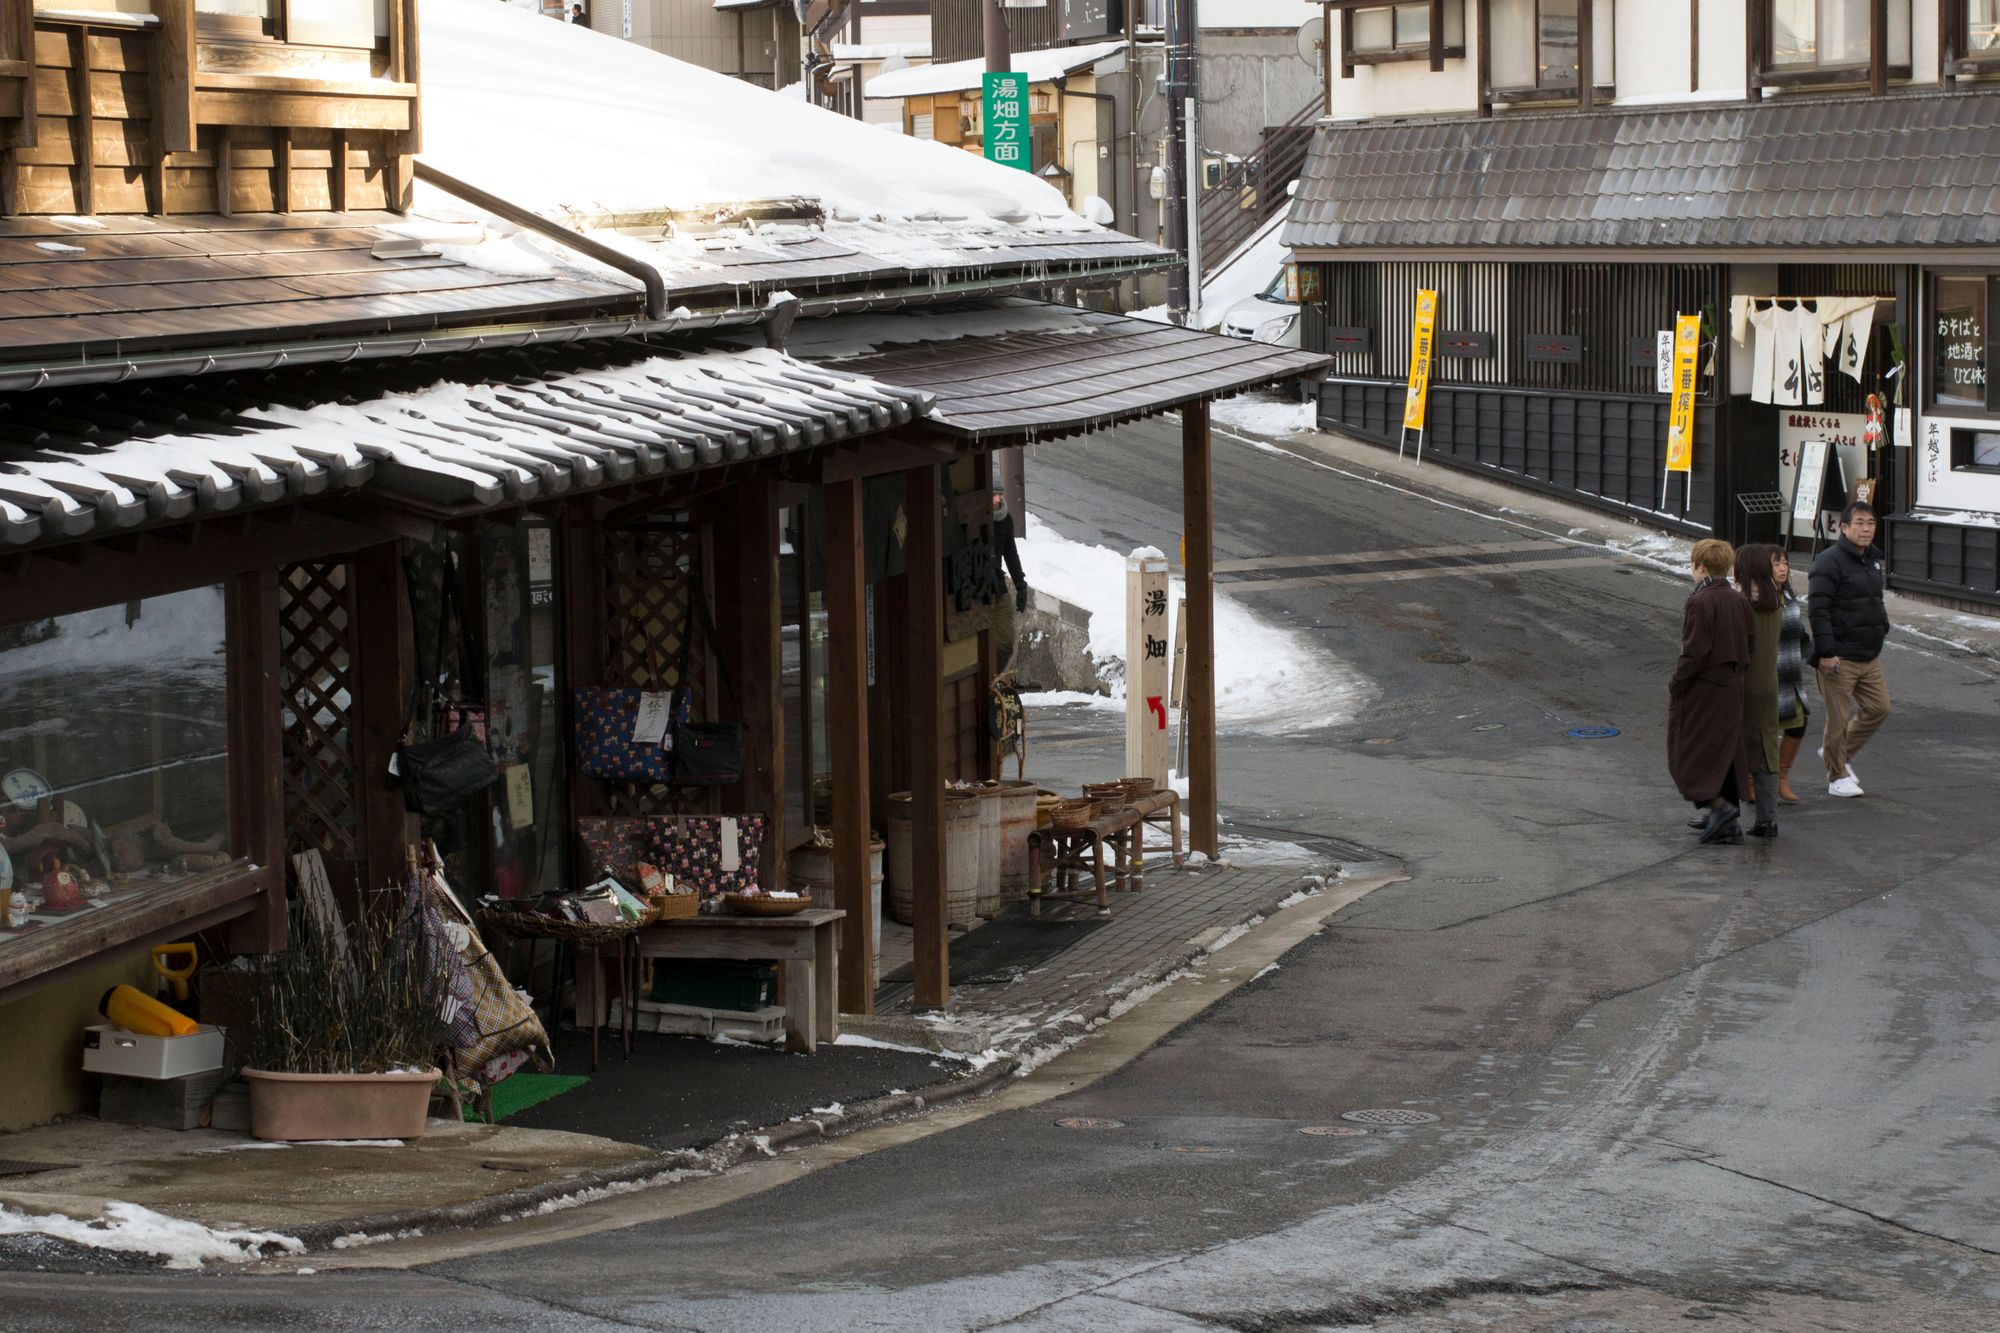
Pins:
x: 114, y: 757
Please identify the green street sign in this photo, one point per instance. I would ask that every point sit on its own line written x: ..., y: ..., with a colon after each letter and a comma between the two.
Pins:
x: 1006, y: 120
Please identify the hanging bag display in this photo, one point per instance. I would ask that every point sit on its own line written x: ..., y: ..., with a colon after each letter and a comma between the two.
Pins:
x: 607, y: 724
x: 706, y: 754
x: 446, y: 771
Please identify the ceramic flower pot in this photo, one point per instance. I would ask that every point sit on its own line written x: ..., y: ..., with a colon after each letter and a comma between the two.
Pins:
x: 291, y: 1107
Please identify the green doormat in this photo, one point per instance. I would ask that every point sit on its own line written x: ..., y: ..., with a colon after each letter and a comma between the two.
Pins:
x: 518, y: 1093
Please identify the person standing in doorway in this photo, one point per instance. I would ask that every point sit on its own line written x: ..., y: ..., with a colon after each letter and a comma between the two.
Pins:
x: 1705, y: 696
x: 1006, y: 538
x: 1761, y: 704
x: 1795, y: 653
x: 1849, y: 624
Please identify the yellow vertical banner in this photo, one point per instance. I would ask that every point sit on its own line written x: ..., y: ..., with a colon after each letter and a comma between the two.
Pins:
x: 1680, y: 417
x: 1421, y: 336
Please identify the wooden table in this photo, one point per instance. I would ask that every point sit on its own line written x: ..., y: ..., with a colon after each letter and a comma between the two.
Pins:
x: 806, y: 943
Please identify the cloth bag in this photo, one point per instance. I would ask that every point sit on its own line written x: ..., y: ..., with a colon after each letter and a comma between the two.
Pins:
x: 449, y: 769
x: 706, y: 754
x: 605, y: 718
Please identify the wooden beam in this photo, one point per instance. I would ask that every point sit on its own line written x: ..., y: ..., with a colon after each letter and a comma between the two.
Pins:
x: 25, y: 131
x: 337, y: 180
x: 1754, y: 52
x: 1485, y: 40
x: 1878, y: 47
x: 1694, y: 46
x: 759, y: 665
x: 1586, y: 53
x: 922, y: 710
x: 1437, y: 35
x: 86, y: 121
x: 847, y: 739
x: 1951, y: 41
x: 1198, y: 717
x: 281, y: 170
x: 173, y: 78
x: 380, y: 682
x: 256, y: 748
x: 222, y: 171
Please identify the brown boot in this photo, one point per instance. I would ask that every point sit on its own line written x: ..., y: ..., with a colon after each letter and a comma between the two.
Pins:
x: 1788, y: 750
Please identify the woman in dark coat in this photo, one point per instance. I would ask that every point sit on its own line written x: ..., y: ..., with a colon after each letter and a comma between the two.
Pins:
x: 1756, y: 577
x: 1705, y: 695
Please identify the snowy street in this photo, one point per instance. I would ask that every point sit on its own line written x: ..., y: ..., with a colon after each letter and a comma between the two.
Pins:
x: 1616, y: 1080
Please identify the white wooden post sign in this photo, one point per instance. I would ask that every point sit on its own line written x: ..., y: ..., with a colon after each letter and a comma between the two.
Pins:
x: 1146, y: 665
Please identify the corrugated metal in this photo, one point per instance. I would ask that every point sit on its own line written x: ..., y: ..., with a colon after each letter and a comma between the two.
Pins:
x: 1913, y: 170
x: 958, y: 32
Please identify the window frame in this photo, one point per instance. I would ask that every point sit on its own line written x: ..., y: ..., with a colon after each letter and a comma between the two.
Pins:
x: 1875, y: 71
x: 1436, y: 50
x: 1933, y: 407
x: 1954, y: 55
x: 1539, y: 92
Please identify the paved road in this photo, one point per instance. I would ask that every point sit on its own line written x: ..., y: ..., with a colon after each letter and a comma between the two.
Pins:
x: 1752, y: 1087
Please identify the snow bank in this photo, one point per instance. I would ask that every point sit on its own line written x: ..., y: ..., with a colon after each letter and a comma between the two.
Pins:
x: 1264, y: 416
x: 1267, y: 678
x: 130, y: 1229
x: 564, y: 120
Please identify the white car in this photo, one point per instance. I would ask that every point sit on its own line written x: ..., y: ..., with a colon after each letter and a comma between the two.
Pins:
x: 1266, y: 317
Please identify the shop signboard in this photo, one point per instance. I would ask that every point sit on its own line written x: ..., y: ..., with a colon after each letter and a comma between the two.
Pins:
x: 1680, y: 417
x: 1423, y: 332
x: 1147, y: 666
x: 1087, y: 18
x: 1836, y: 434
x: 1006, y: 119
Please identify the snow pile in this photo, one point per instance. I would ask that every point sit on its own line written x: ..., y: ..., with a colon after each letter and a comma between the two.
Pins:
x: 1266, y: 678
x: 1246, y: 273
x: 1264, y: 416
x: 613, y: 127
x: 130, y: 1229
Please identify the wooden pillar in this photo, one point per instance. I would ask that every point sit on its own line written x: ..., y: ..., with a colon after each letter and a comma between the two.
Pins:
x: 382, y: 679
x: 847, y: 738
x: 758, y: 666
x: 1586, y: 53
x: 1437, y: 35
x: 257, y: 753
x: 1198, y: 504
x: 1484, y: 18
x: 1878, y: 47
x: 922, y: 713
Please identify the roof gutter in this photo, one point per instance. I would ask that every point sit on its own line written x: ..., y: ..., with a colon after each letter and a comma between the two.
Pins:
x: 656, y: 286
x: 269, y: 356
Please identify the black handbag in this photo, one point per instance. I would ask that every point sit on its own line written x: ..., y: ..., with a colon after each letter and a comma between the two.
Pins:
x: 446, y: 771
x: 706, y: 754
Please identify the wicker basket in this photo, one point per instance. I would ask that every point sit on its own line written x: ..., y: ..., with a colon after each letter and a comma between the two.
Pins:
x: 528, y: 925
x: 763, y: 904
x: 1073, y: 814
x: 1138, y: 789
x: 671, y: 907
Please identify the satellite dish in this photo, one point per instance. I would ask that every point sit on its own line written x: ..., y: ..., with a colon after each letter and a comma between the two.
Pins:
x: 1312, y: 40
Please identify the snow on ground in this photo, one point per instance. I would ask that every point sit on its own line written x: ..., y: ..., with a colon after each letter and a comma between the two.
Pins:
x: 130, y: 1229
x: 618, y: 128
x: 1267, y: 678
x: 1264, y: 416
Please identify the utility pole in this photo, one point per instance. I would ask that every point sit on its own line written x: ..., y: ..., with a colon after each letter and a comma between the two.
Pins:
x: 1183, y: 145
x: 1012, y: 462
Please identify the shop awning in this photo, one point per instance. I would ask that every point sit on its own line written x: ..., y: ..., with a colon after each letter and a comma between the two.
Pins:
x: 1010, y: 371
x: 448, y: 433
x: 1869, y: 174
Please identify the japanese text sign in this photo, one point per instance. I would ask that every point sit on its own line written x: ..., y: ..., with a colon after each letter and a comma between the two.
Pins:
x: 1006, y: 120
x: 1680, y: 416
x: 1146, y: 665
x: 1421, y: 337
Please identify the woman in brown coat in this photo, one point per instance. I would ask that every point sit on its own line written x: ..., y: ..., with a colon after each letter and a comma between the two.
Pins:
x: 1705, y: 695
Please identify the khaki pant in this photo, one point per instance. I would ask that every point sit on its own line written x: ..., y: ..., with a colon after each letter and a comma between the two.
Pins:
x: 1857, y: 702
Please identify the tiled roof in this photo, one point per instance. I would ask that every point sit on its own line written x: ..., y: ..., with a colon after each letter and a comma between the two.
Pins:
x: 1795, y: 173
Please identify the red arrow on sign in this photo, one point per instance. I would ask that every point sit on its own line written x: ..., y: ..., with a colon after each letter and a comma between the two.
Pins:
x: 1159, y: 709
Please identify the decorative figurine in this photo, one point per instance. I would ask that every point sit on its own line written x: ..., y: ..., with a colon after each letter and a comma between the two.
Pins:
x: 62, y: 890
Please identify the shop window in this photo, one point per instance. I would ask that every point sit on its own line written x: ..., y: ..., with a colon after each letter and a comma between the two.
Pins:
x: 114, y: 759
x: 1376, y: 34
x: 1959, y: 352
x: 1536, y: 46
x: 1829, y: 40
x: 1975, y: 450
x: 356, y: 24
x: 1982, y: 27
x: 1970, y: 41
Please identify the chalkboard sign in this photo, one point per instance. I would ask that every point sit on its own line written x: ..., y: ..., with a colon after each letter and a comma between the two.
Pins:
x: 1958, y: 342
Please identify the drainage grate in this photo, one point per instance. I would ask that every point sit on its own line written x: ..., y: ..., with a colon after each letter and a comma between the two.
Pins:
x: 14, y: 1166
x: 1444, y: 657
x: 1389, y: 1115
x: 1592, y: 733
x: 1333, y: 1131
x: 1088, y: 1122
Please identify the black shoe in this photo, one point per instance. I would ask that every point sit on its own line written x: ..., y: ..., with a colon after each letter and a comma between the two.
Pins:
x: 1730, y: 833
x: 1764, y: 830
x: 1698, y: 822
x: 1720, y: 818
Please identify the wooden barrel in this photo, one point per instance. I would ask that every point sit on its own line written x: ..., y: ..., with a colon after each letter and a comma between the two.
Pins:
x: 1018, y: 818
x: 987, y: 896
x: 810, y: 869
x: 961, y: 858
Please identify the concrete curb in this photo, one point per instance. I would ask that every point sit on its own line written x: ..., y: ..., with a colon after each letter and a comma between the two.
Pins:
x: 720, y: 1156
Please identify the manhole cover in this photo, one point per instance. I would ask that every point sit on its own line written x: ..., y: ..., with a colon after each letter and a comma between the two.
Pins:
x: 1379, y: 740
x: 1491, y: 726
x: 1592, y: 733
x: 1333, y: 1131
x: 1389, y: 1115
x: 1088, y: 1122
x: 15, y: 1166
x: 1443, y: 658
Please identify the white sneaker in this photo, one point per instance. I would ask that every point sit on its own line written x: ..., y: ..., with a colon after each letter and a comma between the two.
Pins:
x: 1821, y: 752
x: 1846, y: 786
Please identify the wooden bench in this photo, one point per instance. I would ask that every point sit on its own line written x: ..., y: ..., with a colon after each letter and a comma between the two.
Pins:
x: 806, y: 944
x: 1070, y: 853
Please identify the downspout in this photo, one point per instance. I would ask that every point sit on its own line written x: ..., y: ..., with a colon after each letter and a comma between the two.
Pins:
x: 656, y: 286
x: 1063, y: 90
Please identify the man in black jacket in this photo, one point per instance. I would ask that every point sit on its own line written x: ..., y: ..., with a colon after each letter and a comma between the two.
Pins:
x: 1849, y: 624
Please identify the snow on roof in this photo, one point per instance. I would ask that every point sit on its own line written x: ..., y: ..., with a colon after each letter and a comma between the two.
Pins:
x: 577, y: 125
x: 744, y: 4
x: 1255, y: 13
x: 879, y: 50
x: 959, y: 76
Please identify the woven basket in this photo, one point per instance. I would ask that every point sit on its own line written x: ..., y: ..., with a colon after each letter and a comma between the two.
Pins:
x: 1073, y: 814
x: 764, y: 905
x: 1137, y: 789
x: 671, y: 907
x: 527, y: 925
